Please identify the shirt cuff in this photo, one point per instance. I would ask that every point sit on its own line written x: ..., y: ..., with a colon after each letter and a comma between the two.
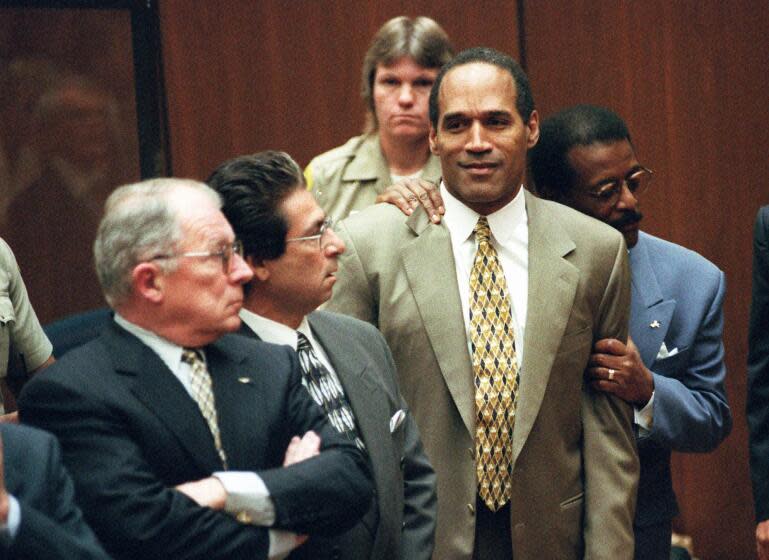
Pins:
x: 281, y: 543
x: 644, y: 417
x: 10, y: 529
x: 247, y: 498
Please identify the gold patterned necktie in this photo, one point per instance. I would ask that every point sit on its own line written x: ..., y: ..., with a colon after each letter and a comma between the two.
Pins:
x: 203, y: 394
x: 495, y: 370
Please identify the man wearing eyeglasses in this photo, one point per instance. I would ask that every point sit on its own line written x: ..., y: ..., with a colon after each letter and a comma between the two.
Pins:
x: 184, y: 441
x: 672, y: 368
x: 292, y: 251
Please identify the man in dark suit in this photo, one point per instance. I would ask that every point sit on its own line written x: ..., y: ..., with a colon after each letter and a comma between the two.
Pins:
x: 292, y: 250
x: 672, y: 369
x: 38, y: 516
x: 758, y: 381
x: 531, y: 462
x: 185, y: 442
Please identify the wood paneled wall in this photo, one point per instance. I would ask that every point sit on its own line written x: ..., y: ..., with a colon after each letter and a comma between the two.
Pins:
x: 286, y: 75
x: 690, y: 78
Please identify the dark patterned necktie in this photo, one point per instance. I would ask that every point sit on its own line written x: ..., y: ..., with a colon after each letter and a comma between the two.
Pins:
x: 326, y: 391
x: 203, y: 395
x: 496, y: 372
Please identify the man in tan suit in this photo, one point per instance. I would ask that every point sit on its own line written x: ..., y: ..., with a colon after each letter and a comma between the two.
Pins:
x: 531, y: 462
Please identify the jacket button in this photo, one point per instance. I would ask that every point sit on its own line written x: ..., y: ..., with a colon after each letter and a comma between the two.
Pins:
x: 471, y: 508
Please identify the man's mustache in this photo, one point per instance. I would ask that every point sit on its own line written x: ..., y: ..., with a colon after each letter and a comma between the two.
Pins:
x: 629, y: 217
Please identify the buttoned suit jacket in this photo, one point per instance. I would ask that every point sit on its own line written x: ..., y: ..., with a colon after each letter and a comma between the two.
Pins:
x: 401, y: 523
x: 52, y: 527
x: 758, y: 368
x: 575, y: 464
x: 677, y: 297
x: 130, y: 433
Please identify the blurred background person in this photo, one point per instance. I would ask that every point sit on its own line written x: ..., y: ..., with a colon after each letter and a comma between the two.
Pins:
x: 399, y: 69
x: 79, y: 143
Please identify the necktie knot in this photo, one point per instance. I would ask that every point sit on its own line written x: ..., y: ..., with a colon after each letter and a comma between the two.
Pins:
x: 302, y: 343
x: 192, y: 356
x: 482, y: 231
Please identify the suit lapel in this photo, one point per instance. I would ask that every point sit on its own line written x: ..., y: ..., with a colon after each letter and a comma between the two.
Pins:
x: 429, y: 264
x: 650, y: 312
x: 163, y: 394
x: 552, y: 287
x: 235, y: 391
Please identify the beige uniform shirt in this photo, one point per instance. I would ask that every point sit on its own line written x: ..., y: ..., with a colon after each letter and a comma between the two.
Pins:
x: 18, y: 322
x: 349, y: 178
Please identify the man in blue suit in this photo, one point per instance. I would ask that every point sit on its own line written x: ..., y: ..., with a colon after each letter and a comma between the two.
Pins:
x: 672, y: 368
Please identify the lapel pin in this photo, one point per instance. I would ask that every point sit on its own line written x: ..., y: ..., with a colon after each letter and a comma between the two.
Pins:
x: 655, y: 324
x: 245, y: 380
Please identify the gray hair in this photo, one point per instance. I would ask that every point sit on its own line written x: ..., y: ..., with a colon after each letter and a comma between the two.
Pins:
x: 421, y: 39
x: 141, y: 221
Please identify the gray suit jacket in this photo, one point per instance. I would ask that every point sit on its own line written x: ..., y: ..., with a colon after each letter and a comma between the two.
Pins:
x: 401, y: 522
x: 576, y: 467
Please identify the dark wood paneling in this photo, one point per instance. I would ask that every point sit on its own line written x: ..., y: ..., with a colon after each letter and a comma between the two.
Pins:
x: 286, y: 75
x: 691, y: 79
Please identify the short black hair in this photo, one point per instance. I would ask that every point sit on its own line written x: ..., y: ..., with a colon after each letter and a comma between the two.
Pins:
x: 581, y: 125
x: 524, y: 99
x: 252, y: 188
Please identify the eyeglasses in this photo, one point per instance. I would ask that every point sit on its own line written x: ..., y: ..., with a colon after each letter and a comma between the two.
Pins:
x: 609, y: 192
x: 320, y: 237
x: 225, y: 253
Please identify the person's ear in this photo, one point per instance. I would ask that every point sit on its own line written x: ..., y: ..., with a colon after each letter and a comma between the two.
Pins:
x: 532, y: 127
x: 433, y: 141
x: 148, y: 281
x: 259, y: 268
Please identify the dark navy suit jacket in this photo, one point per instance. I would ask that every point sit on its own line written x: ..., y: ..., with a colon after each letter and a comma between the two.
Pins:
x: 758, y: 367
x: 52, y: 527
x: 130, y: 432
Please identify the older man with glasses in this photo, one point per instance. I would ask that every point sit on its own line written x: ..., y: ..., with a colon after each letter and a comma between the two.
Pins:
x: 184, y: 441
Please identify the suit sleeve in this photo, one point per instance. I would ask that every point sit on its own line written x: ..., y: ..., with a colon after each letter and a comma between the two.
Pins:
x: 326, y: 494
x: 691, y: 413
x: 610, y: 458
x: 117, y: 487
x: 58, y: 532
x: 758, y: 368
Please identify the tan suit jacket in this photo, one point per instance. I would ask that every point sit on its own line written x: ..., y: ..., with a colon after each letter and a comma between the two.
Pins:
x: 576, y: 467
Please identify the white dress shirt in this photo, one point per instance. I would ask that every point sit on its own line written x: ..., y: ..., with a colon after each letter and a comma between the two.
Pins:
x: 278, y: 333
x: 246, y: 491
x: 510, y: 237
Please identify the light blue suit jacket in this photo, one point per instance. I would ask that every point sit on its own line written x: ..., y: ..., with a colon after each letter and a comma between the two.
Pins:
x: 677, y: 298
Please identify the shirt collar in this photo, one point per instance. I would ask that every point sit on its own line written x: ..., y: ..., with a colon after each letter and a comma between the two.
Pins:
x: 274, y: 332
x: 461, y: 219
x: 169, y: 352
